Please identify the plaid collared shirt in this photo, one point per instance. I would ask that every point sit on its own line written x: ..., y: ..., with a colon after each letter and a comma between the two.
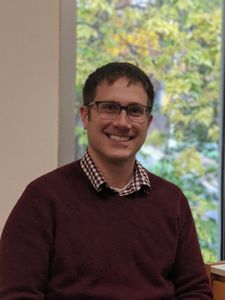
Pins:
x: 139, y: 180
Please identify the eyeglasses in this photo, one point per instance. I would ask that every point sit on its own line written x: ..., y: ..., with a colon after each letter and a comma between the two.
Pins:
x: 110, y: 110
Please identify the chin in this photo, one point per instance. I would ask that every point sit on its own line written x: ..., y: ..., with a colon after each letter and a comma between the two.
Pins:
x: 120, y: 157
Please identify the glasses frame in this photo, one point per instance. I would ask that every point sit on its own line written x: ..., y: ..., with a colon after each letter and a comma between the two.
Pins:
x: 122, y: 107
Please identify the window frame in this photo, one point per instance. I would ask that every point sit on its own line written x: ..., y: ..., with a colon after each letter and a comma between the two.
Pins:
x: 222, y: 143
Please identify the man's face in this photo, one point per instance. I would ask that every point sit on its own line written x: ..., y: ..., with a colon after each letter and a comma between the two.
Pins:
x: 115, y: 141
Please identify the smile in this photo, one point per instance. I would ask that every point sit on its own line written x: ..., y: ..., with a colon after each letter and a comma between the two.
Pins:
x: 119, y: 138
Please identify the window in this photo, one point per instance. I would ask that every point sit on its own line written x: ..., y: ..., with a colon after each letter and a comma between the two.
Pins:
x: 178, y: 44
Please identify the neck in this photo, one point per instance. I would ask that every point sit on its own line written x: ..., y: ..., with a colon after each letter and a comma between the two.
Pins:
x: 118, y: 173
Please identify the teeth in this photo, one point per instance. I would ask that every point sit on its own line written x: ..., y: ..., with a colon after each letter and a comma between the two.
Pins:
x: 119, y: 138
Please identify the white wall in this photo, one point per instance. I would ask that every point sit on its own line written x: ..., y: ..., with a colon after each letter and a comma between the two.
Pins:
x: 36, y: 92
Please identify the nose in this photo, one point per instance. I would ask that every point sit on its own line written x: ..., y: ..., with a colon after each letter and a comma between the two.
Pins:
x: 122, y: 120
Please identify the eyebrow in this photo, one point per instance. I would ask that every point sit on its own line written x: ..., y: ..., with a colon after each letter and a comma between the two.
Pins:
x: 117, y: 102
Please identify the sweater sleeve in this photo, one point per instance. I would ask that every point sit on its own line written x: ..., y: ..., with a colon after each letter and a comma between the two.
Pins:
x: 25, y: 248
x: 188, y: 273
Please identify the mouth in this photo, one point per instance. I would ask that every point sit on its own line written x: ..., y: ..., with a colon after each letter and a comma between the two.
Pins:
x: 118, y: 138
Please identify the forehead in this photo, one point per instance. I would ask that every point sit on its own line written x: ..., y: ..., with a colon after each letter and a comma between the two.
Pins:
x: 121, y: 90
x: 124, y: 81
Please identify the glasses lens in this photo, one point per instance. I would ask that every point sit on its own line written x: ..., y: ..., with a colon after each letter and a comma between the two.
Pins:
x: 108, y: 110
x: 136, y: 112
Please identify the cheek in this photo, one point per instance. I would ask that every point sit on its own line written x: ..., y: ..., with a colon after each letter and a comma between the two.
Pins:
x: 143, y: 133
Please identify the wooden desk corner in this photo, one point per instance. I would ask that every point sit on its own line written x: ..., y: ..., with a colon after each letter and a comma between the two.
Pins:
x: 216, y: 273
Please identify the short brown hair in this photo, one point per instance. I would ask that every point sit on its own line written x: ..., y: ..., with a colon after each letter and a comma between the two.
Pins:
x: 113, y: 71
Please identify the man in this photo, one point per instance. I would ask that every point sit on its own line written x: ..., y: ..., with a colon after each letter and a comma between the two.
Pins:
x: 103, y: 227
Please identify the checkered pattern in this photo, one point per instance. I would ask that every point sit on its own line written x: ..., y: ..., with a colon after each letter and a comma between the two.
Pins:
x: 139, y: 180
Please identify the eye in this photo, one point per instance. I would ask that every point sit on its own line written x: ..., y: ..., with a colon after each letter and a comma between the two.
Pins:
x: 108, y: 107
x: 136, y: 110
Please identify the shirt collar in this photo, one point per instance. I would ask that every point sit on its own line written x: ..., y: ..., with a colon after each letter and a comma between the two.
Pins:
x: 139, y: 181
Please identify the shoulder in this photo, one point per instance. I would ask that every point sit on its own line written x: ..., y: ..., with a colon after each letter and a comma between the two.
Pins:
x: 63, y: 171
x: 58, y: 182
x: 59, y: 175
x: 170, y: 198
x: 52, y: 189
x: 167, y: 193
x: 160, y: 184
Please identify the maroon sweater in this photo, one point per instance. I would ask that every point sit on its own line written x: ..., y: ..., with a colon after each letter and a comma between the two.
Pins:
x: 64, y: 240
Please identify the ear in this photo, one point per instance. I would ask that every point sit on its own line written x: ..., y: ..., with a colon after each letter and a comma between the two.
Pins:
x: 84, y: 116
x: 150, y: 118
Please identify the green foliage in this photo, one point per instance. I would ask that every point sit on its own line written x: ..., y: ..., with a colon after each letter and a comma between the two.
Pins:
x: 81, y: 136
x: 178, y: 44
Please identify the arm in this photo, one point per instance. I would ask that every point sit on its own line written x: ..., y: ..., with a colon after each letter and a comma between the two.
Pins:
x: 189, y: 274
x: 25, y: 248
